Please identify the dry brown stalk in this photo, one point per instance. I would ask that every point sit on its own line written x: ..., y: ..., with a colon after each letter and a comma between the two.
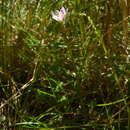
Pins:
x: 22, y: 88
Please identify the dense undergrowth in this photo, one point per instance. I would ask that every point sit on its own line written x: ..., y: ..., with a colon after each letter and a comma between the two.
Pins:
x: 64, y: 76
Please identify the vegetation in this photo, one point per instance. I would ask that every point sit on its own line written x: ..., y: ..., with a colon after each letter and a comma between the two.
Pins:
x: 70, y: 74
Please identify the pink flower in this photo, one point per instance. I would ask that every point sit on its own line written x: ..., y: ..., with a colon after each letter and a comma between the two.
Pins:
x: 59, y: 15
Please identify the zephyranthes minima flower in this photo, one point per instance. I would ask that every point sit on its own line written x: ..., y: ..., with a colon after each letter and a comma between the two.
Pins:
x: 59, y: 15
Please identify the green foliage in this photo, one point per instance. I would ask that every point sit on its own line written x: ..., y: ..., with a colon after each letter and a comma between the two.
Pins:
x: 80, y: 69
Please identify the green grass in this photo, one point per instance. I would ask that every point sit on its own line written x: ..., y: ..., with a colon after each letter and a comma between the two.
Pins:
x: 64, y: 76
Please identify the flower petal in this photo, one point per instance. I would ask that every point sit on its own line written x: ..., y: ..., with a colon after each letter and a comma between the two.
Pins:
x: 61, y: 16
x: 54, y: 16
x: 63, y: 10
x: 57, y: 12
